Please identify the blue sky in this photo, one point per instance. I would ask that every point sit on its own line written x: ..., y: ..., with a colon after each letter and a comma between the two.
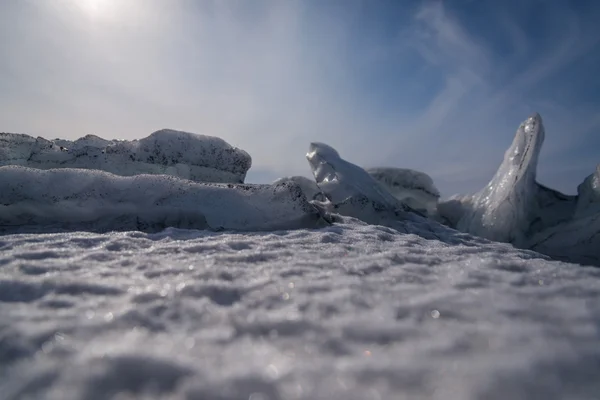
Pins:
x: 438, y: 86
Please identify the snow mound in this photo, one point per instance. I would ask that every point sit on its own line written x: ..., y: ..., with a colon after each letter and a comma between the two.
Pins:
x: 351, y: 311
x: 176, y: 153
x: 94, y: 200
x: 414, y: 188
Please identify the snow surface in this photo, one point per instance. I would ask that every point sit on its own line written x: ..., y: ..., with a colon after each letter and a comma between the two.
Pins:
x: 182, y: 154
x: 76, y: 199
x: 349, y: 311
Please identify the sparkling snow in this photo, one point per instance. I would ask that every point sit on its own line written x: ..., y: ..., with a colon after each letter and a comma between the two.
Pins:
x: 349, y: 311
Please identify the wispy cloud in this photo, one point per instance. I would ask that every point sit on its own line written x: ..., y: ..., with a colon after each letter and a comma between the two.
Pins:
x: 470, y: 121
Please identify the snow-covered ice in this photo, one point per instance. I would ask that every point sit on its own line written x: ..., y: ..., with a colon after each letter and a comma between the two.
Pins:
x: 350, y: 190
x: 177, y: 153
x: 415, y: 188
x: 308, y: 186
x: 58, y: 199
x: 349, y: 311
x: 589, y: 194
x: 576, y: 240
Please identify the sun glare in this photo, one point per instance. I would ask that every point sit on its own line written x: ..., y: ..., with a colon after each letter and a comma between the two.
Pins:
x: 97, y: 8
x: 94, y: 5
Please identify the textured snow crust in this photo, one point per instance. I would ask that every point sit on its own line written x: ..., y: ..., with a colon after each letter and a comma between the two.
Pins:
x: 79, y: 199
x: 177, y: 153
x: 349, y: 311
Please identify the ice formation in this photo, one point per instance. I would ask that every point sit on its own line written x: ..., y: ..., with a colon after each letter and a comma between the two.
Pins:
x: 514, y: 208
x: 589, y: 194
x: 59, y: 199
x: 186, y: 155
x: 414, y: 188
x: 504, y: 209
x: 349, y: 189
x: 578, y: 238
x: 451, y: 210
x: 308, y: 186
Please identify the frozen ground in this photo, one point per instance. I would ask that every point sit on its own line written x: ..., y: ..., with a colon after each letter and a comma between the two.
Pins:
x: 349, y: 311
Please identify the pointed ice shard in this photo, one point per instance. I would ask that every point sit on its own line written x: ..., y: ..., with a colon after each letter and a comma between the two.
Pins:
x: 504, y: 209
x: 515, y: 208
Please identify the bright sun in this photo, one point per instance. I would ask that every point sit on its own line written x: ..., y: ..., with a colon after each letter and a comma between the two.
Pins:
x: 95, y: 7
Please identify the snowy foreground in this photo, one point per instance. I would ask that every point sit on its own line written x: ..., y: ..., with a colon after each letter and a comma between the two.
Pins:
x: 349, y: 311
x: 125, y: 274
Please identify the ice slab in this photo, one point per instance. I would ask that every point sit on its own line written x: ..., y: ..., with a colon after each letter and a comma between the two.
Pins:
x: 576, y: 240
x: 308, y: 186
x: 414, y: 188
x: 70, y: 199
x: 170, y: 152
x: 450, y: 211
x: 589, y: 193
